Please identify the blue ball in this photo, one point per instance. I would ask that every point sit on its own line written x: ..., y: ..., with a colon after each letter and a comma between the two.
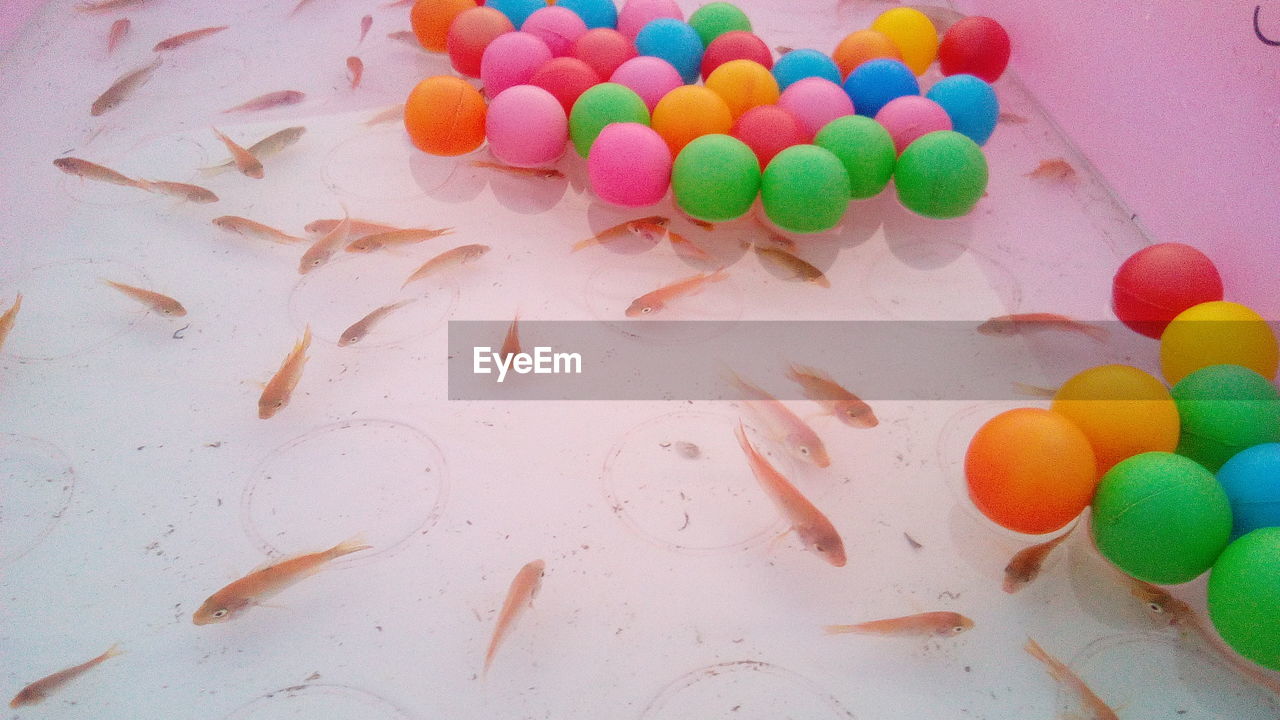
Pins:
x: 800, y: 64
x: 874, y: 83
x: 674, y: 41
x: 517, y: 11
x: 595, y: 13
x: 970, y: 102
x: 1252, y: 481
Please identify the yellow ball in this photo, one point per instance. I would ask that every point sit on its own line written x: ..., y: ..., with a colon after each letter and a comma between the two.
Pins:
x: 1122, y: 410
x: 914, y: 34
x: 743, y: 84
x: 1217, y: 333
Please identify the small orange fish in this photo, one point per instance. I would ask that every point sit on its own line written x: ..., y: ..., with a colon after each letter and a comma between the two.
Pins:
x: 511, y: 343
x: 1011, y: 118
x: 280, y: 388
x: 122, y: 88
x: 656, y: 300
x: 324, y: 248
x: 939, y: 624
x: 190, y: 36
x: 393, y: 238
x: 701, y: 223
x: 119, y: 29
x: 534, y: 172
x: 457, y: 256
x: 92, y: 171
x: 366, y: 22
x: 814, y: 529
x: 407, y: 37
x: 524, y: 588
x: 361, y: 327
x: 162, y: 304
x: 799, y: 438
x: 245, y: 162
x: 1025, y: 566
x: 395, y: 112
x: 259, y: 585
x: 1098, y: 710
x: 270, y: 100
x: 1053, y: 169
x: 819, y: 387
x: 650, y: 228
x: 684, y: 245
x: 783, y: 49
x: 105, y: 5
x: 266, y: 147
x: 42, y: 688
x: 182, y: 191
x: 797, y: 268
x: 358, y: 227
x: 1008, y: 325
x: 355, y: 66
x: 8, y: 318
x: 253, y: 229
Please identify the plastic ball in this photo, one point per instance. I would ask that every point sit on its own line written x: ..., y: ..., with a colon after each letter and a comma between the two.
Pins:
x: 1122, y: 410
x: 444, y: 115
x: 863, y: 45
x: 970, y: 102
x: 517, y: 11
x: 629, y: 165
x: 874, y: 83
x: 1244, y: 596
x: 649, y: 77
x: 910, y: 117
x: 768, y: 130
x: 864, y: 148
x: 430, y: 20
x: 1218, y: 333
x: 800, y: 64
x: 1161, y: 517
x: 941, y: 175
x: 1251, y: 479
x: 744, y: 84
x: 690, y: 111
x: 976, y: 46
x: 1158, y: 282
x: 715, y: 178
x: 566, y: 78
x: 805, y: 189
x: 673, y: 41
x: 600, y: 106
x: 735, y: 45
x: 510, y: 60
x: 717, y: 18
x: 558, y: 27
x: 526, y: 126
x: 595, y: 13
x: 1030, y: 470
x: 914, y: 34
x: 604, y: 49
x: 635, y: 14
x: 815, y: 102
x: 1225, y: 409
x: 469, y: 36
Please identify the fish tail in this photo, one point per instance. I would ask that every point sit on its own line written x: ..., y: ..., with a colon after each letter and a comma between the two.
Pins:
x: 1033, y: 390
x: 584, y: 244
x: 1097, y: 333
x: 352, y: 544
x: 112, y: 651
x: 213, y: 170
x: 305, y: 343
x: 840, y: 629
x: 720, y: 273
x: 1055, y: 668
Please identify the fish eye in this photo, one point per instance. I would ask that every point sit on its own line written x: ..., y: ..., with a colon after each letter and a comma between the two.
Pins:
x: 220, y: 613
x: 1155, y: 607
x: 819, y: 548
x: 958, y: 629
x: 804, y: 451
x: 646, y: 309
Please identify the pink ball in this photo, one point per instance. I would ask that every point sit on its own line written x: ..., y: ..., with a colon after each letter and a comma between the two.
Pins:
x: 629, y: 165
x: 768, y: 130
x: 566, y: 78
x: 649, y: 77
x: 558, y: 27
x: 815, y: 102
x: 526, y: 126
x: 604, y: 49
x: 510, y: 60
x: 635, y: 14
x: 910, y: 116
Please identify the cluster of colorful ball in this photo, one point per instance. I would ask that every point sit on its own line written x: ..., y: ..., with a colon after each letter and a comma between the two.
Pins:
x: 1181, y: 480
x: 805, y: 134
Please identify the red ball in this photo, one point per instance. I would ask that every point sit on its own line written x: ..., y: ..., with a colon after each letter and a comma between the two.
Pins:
x: 566, y: 78
x: 470, y: 33
x: 976, y: 46
x: 604, y: 49
x: 768, y: 130
x: 1157, y: 283
x: 735, y: 45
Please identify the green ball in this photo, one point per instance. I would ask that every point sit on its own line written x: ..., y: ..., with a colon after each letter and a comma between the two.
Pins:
x: 805, y: 189
x: 716, y: 178
x: 1161, y: 517
x: 602, y: 105
x: 1244, y: 596
x: 1225, y: 409
x: 865, y: 148
x: 712, y: 21
x: 941, y: 175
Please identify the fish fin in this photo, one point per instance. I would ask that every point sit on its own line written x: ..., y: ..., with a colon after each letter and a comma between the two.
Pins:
x: 112, y: 651
x: 1097, y: 333
x: 352, y: 544
x: 214, y: 170
x: 273, y: 606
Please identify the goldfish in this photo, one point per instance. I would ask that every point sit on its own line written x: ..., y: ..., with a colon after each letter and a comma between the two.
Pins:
x: 686, y: 245
x: 366, y: 22
x: 190, y: 36
x: 793, y: 265
x: 259, y: 585
x: 182, y: 191
x: 940, y: 624
x: 355, y: 66
x: 324, y: 248
x: 534, y: 172
x: 92, y: 171
x: 1011, y: 118
x: 266, y: 147
x: 42, y: 688
x: 457, y: 256
x: 1025, y: 566
x: 1053, y: 169
x: 119, y: 29
x: 361, y: 328
x: 162, y: 304
x: 391, y: 238
x: 245, y: 162
x: 8, y: 318
x: 105, y: 5
x: 280, y: 388
x: 358, y: 227
x: 270, y: 100
x: 395, y: 112
x: 656, y: 300
x: 253, y: 229
x: 1098, y: 710
x: 407, y: 37
x: 1033, y: 390
x: 511, y: 343
x: 650, y: 228
x: 123, y: 87
x: 799, y: 438
x: 783, y: 49
x: 701, y: 223
x: 524, y: 588
x: 819, y: 387
x: 814, y: 529
x: 1007, y: 325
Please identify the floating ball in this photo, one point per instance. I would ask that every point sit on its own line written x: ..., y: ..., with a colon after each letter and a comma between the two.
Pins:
x: 649, y: 77
x: 1225, y: 409
x: 864, y: 148
x: 874, y: 83
x: 629, y: 165
x: 595, y: 13
x: 517, y: 11
x: 863, y: 45
x: 1030, y: 470
x: 914, y: 34
x: 735, y: 45
x: 941, y: 175
x: 800, y: 64
x: 910, y: 117
x: 673, y: 41
x: 1244, y: 596
x: 768, y: 130
x: 1161, y: 517
x: 526, y: 126
x: 976, y: 46
x: 430, y: 20
x: 635, y: 14
x: 600, y: 106
x: 1122, y: 410
x: 558, y: 27
x: 1251, y: 479
x: 1158, y: 282
x: 444, y: 115
x: 804, y: 189
x: 1218, y: 333
x: 744, y: 84
x: 970, y: 102
x: 604, y: 49
x: 815, y: 102
x: 717, y: 18
x: 566, y: 78
x: 510, y: 60
x: 470, y: 35
x: 690, y: 111
x: 715, y: 178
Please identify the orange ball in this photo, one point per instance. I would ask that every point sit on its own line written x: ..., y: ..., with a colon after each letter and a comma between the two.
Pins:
x: 861, y: 46
x: 445, y: 116
x: 688, y: 112
x: 1030, y: 470
x: 431, y: 20
x: 471, y: 32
